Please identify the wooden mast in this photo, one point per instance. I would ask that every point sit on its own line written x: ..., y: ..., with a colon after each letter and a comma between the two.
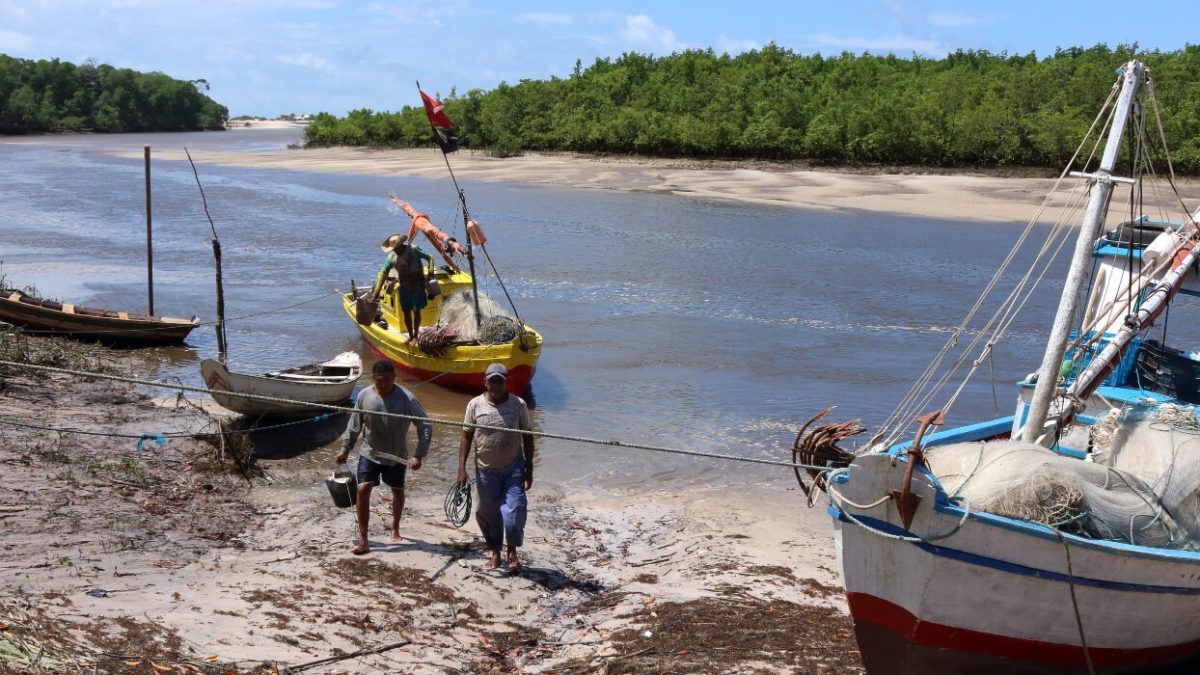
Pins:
x: 1132, y: 75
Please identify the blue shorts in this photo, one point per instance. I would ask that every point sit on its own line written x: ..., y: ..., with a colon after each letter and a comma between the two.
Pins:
x: 369, y: 473
x: 412, y: 299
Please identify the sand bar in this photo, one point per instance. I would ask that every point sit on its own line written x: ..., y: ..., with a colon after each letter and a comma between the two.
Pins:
x: 955, y: 196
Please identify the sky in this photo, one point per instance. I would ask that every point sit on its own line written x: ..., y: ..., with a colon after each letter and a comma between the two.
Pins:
x: 275, y: 57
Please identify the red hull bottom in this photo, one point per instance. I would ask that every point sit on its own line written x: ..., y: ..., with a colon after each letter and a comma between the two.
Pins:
x: 894, y: 642
x: 519, y: 377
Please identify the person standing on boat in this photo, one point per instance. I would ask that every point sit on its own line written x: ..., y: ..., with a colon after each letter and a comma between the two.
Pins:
x: 406, y: 259
x: 503, y: 464
x: 384, y: 451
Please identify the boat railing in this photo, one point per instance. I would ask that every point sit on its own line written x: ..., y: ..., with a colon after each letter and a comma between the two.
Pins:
x: 1082, y: 357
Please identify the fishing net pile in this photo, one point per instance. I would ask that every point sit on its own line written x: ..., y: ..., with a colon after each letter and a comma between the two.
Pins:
x: 1143, y: 489
x: 458, y: 315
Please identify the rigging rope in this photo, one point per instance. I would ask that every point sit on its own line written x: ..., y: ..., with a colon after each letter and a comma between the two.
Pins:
x: 165, y: 436
x: 930, y: 383
x: 432, y: 420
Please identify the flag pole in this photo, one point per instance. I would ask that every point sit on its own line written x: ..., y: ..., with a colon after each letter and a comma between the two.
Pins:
x: 446, y: 157
x: 462, y: 199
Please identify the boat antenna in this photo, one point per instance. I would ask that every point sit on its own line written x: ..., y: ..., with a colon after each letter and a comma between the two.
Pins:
x: 216, y: 246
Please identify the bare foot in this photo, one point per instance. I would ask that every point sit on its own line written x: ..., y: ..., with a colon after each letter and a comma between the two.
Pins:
x: 493, y: 562
x: 362, y: 549
x: 396, y: 538
x: 514, y: 563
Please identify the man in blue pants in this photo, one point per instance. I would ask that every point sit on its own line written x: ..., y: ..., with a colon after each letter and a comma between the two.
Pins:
x: 503, y: 464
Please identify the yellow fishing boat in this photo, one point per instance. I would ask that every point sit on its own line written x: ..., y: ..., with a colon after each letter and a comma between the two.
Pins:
x: 464, y: 331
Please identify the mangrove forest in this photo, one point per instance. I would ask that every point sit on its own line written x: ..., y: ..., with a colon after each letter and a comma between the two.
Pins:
x: 56, y: 96
x: 969, y: 109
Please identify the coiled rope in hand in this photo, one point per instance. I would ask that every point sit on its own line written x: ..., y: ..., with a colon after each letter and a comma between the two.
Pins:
x: 458, y: 503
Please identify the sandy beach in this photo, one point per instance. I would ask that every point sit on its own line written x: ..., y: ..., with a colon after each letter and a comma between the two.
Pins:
x: 957, y: 195
x: 199, y: 556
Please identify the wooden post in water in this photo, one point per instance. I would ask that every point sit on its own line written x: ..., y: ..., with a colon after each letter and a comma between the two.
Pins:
x: 222, y: 341
x: 149, y: 241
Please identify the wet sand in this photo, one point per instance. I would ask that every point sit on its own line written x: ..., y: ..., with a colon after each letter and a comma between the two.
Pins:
x: 947, y: 196
x: 187, y: 557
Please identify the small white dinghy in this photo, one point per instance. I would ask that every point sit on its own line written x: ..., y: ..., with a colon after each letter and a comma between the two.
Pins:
x: 329, y: 383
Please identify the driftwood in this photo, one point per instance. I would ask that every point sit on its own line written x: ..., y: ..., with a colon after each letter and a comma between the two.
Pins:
x: 343, y: 657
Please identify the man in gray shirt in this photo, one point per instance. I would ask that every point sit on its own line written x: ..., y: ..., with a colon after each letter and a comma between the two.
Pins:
x: 503, y: 464
x: 384, y: 451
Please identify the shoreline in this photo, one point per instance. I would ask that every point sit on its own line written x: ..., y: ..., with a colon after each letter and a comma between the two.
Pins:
x: 193, y: 557
x: 957, y: 196
x: 942, y: 195
x: 991, y: 196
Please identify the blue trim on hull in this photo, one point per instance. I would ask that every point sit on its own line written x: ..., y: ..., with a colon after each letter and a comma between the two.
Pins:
x: 1115, y: 548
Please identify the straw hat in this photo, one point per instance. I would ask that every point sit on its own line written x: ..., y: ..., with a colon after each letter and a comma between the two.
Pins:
x: 392, y: 242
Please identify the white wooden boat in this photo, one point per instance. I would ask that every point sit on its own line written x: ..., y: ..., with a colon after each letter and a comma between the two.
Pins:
x: 328, y: 383
x: 968, y: 550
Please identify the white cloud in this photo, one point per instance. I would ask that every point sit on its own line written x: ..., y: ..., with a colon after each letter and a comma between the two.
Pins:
x: 305, y: 60
x: 14, y: 42
x: 641, y: 29
x: 733, y: 46
x: 884, y: 43
x: 951, y: 19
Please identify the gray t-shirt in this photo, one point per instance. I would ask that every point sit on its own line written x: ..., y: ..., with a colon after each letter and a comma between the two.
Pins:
x: 497, y: 449
x: 387, y: 436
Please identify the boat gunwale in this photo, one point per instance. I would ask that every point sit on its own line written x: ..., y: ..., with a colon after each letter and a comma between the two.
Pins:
x: 943, y: 505
x: 93, y: 316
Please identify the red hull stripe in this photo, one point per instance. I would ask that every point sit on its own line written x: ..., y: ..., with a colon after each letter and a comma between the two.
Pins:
x: 469, y: 382
x: 923, y: 633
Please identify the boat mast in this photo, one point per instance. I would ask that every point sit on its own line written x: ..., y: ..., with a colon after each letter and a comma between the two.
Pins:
x: 1132, y: 75
x: 462, y: 199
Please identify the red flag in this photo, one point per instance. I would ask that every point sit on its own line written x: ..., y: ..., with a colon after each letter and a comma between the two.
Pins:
x: 435, y: 113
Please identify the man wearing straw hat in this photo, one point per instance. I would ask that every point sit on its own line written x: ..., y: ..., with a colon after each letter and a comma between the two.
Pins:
x: 406, y: 259
x: 383, y: 455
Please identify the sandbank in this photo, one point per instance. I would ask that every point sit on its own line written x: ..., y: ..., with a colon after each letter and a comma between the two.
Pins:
x: 953, y: 196
x: 235, y: 125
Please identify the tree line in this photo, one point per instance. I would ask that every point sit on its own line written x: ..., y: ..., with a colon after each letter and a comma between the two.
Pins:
x: 52, y: 95
x: 969, y: 109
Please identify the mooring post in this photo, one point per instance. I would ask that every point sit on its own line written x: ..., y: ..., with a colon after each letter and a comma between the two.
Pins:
x: 149, y: 241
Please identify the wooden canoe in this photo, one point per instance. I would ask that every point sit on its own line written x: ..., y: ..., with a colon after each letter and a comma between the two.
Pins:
x: 115, y: 328
x: 329, y: 383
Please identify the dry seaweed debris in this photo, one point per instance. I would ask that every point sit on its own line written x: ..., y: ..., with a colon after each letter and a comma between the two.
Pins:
x: 33, y: 642
x: 55, y: 352
x: 505, y: 650
x: 712, y: 635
